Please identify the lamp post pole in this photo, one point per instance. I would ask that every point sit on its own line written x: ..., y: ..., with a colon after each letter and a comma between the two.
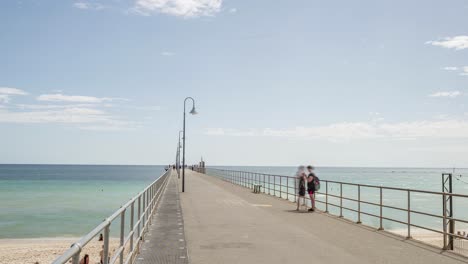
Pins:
x: 193, y: 112
x: 178, y: 156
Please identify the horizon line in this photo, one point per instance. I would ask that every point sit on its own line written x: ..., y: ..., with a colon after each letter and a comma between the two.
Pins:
x: 215, y: 165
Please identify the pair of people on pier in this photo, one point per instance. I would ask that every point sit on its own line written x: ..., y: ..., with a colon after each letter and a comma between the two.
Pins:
x: 312, y: 182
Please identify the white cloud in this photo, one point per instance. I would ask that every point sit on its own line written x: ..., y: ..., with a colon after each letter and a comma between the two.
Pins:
x: 232, y: 10
x: 72, y: 98
x: 4, y: 98
x: 88, y: 5
x: 85, y: 112
x: 449, y: 94
x: 450, y: 68
x: 457, y: 42
x: 360, y: 130
x: 231, y: 132
x: 12, y: 91
x: 465, y: 71
x: 167, y: 53
x: 6, y: 93
x: 84, y: 118
x: 180, y: 8
x: 111, y: 127
x: 70, y: 115
x: 51, y: 106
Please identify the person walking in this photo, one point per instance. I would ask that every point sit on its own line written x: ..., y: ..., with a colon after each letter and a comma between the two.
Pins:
x: 312, y: 182
x: 300, y: 180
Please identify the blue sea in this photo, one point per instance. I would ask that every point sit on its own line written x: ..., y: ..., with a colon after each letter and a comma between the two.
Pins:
x: 70, y: 200
x: 65, y: 200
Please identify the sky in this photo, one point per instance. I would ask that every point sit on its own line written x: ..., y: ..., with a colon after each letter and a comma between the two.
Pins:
x: 329, y: 83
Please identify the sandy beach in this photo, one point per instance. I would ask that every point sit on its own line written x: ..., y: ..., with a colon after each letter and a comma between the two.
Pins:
x: 434, y: 239
x: 46, y: 250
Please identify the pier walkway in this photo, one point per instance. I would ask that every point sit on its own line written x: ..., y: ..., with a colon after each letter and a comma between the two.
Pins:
x: 165, y: 241
x: 226, y: 223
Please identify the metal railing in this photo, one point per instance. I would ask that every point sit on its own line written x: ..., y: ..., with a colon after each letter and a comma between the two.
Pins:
x: 145, y: 203
x: 281, y: 186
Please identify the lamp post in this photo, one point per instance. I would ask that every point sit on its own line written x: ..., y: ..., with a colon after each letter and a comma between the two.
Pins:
x: 178, y: 156
x: 193, y: 112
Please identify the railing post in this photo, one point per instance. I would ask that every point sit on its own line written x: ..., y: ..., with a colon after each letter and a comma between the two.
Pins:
x: 264, y: 184
x: 381, y: 210
x: 252, y: 180
x: 274, y: 185
x: 341, y: 199
x: 246, y: 179
x: 150, y: 204
x: 246, y: 175
x: 76, y: 258
x: 287, y: 188
x: 122, y: 235
x: 132, y: 229
x: 326, y: 197
x: 105, y: 254
x: 280, y: 185
x: 444, y: 208
x: 409, y: 215
x: 139, y: 216
x: 359, y: 205
x: 144, y: 215
x: 269, y: 184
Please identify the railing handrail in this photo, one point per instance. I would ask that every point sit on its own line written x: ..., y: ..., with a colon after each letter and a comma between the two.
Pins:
x: 355, y: 184
x: 84, y: 240
x: 270, y: 182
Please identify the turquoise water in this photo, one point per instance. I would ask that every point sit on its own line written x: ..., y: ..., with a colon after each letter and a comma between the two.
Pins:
x: 428, y: 179
x: 65, y: 200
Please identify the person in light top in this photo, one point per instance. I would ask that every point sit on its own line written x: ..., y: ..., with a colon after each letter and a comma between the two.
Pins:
x: 300, y: 180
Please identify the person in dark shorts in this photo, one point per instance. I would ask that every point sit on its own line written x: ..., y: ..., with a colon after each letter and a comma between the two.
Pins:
x: 300, y: 180
x: 311, y: 186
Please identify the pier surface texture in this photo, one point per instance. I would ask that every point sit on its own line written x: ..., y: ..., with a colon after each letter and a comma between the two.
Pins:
x: 226, y: 223
x: 165, y: 240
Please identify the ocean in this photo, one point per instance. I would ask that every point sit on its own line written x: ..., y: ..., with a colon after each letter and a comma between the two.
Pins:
x: 38, y: 201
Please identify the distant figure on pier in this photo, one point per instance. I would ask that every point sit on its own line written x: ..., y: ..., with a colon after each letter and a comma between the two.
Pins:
x: 300, y: 185
x: 101, y: 238
x: 312, y: 181
x: 85, y: 259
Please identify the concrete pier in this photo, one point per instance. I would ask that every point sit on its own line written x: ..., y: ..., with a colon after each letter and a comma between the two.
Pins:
x: 215, y: 222
x: 226, y: 223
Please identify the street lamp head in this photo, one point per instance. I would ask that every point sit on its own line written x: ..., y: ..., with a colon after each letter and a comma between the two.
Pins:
x: 193, y: 111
